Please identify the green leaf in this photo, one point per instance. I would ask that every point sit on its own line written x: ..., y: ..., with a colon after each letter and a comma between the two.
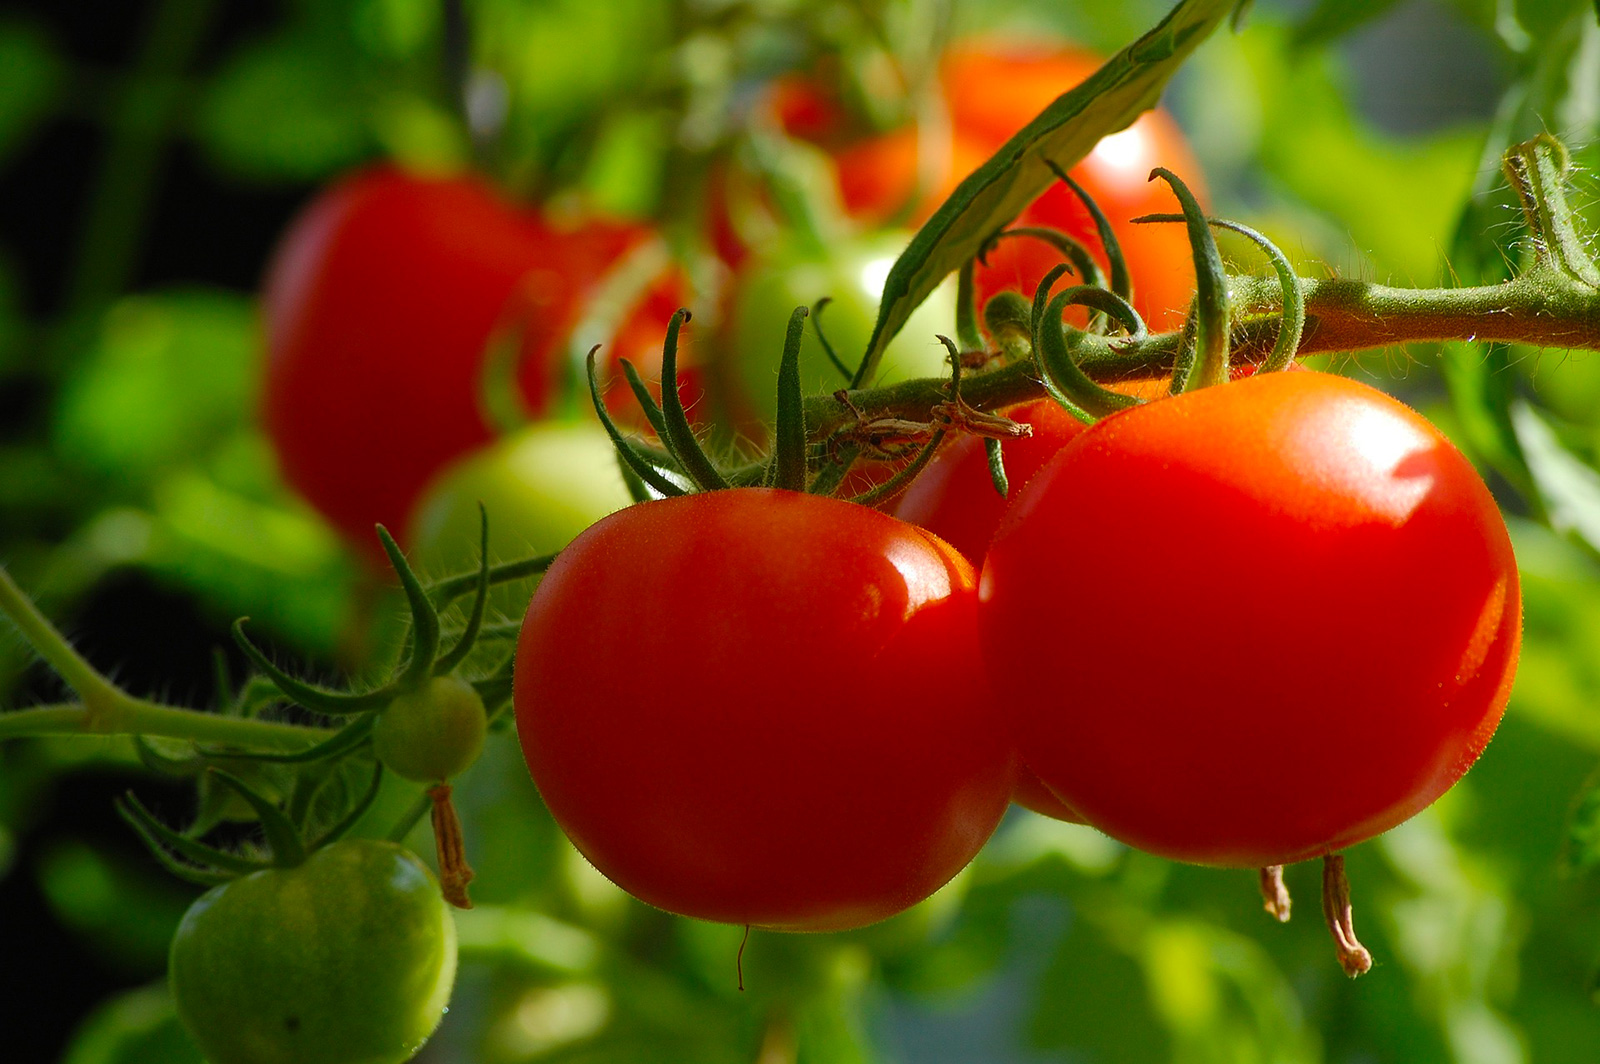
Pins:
x: 1127, y: 85
x: 1568, y: 487
x: 137, y: 1027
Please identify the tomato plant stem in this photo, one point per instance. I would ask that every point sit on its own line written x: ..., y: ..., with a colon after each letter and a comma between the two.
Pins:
x: 106, y: 709
x: 1540, y: 308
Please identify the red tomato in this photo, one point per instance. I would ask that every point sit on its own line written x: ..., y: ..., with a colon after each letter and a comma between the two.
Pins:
x: 992, y: 89
x: 750, y: 706
x: 378, y: 306
x: 954, y: 497
x: 1167, y: 566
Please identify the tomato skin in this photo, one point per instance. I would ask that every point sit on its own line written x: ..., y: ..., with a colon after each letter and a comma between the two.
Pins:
x: 349, y: 957
x: 378, y: 305
x: 540, y: 487
x: 744, y: 706
x: 954, y: 496
x: 852, y: 273
x: 1168, y: 563
x: 432, y: 733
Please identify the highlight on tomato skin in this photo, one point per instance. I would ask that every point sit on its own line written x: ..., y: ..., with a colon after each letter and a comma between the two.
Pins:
x: 788, y: 738
x: 1289, y: 609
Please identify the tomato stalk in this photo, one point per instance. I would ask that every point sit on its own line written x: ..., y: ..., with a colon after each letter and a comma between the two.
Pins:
x: 1353, y: 956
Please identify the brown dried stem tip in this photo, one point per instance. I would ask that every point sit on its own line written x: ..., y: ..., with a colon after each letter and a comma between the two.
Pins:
x: 1353, y: 956
x: 454, y: 872
x: 1274, y: 894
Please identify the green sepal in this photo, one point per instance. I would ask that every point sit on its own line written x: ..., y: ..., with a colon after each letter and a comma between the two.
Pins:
x: 832, y: 474
x: 310, y: 696
x: 163, y: 842
x: 646, y: 401
x: 357, y: 811
x: 1078, y: 256
x: 898, y: 483
x: 625, y: 450
x: 424, y: 617
x: 680, y: 439
x: 1294, y: 299
x: 997, y: 466
x: 1210, y: 363
x: 346, y: 739
x: 630, y: 480
x: 1041, y: 296
x: 451, y: 588
x: 1055, y: 357
x: 480, y: 602
x: 282, y: 838
x: 165, y: 764
x: 827, y: 348
x: 789, y: 435
x: 1009, y: 318
x: 1116, y: 261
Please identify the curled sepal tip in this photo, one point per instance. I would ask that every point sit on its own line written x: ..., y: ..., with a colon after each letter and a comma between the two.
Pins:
x: 789, y: 437
x: 282, y: 837
x: 480, y: 603
x: 680, y: 438
x: 424, y: 617
x: 1121, y: 277
x: 342, y: 826
x: 1056, y: 355
x: 312, y: 697
x: 1210, y: 363
x: 827, y: 348
x: 628, y: 454
x: 210, y: 865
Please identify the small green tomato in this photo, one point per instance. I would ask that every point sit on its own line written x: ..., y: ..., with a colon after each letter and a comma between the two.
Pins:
x: 432, y: 733
x: 347, y: 958
x: 852, y: 275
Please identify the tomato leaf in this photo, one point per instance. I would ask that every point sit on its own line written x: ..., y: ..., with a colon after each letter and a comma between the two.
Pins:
x: 1126, y: 86
x: 1568, y: 487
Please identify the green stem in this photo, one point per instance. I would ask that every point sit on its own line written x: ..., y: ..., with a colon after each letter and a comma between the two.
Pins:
x: 106, y: 709
x: 98, y: 693
x: 1541, y: 308
x: 127, y: 715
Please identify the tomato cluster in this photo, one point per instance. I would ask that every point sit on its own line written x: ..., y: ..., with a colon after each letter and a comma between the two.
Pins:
x: 1243, y: 626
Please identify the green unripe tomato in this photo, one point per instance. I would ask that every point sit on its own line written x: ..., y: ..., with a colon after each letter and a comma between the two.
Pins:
x: 432, y: 733
x: 540, y: 485
x: 852, y: 274
x: 348, y: 958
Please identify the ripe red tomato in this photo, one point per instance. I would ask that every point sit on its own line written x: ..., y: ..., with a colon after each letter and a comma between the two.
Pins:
x: 750, y: 706
x: 954, y: 497
x: 992, y: 89
x: 1280, y: 615
x: 378, y: 306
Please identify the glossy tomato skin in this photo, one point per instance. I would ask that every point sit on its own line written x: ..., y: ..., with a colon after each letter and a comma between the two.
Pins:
x: 750, y: 706
x: 347, y: 957
x: 954, y: 496
x: 1281, y: 615
x: 851, y: 274
x: 378, y: 305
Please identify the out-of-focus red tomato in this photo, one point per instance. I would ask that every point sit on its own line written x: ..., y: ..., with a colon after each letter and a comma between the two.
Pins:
x: 379, y: 305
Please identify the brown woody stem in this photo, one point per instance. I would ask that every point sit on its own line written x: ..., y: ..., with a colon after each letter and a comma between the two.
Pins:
x: 1274, y: 894
x: 1353, y: 956
x: 454, y: 872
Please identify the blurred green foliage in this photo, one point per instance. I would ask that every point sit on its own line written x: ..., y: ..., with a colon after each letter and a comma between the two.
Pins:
x: 140, y: 452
